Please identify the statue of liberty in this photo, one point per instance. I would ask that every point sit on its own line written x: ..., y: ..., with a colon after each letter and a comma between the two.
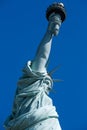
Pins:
x: 33, y: 108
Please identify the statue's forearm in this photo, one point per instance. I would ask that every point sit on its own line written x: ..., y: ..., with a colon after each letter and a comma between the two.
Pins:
x: 43, y: 53
x: 44, y: 48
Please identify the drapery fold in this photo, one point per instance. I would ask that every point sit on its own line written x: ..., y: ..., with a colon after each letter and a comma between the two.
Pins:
x: 33, y: 108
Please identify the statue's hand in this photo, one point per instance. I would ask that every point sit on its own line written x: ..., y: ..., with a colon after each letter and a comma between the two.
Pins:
x: 54, y: 23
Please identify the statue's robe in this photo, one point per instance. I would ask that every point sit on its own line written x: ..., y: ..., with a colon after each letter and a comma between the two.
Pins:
x: 32, y: 108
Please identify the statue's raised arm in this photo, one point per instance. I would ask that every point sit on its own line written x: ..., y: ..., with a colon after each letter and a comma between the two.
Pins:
x: 55, y: 15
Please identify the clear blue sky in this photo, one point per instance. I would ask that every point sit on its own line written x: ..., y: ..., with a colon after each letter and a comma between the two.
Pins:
x: 22, y: 26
